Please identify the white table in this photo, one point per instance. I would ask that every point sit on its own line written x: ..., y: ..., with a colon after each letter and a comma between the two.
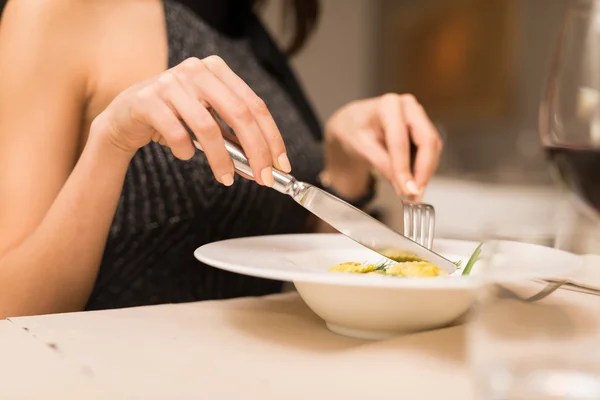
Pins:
x: 271, y: 347
x: 30, y: 369
x: 253, y: 348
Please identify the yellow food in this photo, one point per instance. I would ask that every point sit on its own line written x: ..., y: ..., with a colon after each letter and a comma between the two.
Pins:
x: 377, y: 272
x: 353, y: 267
x: 415, y: 269
x: 406, y: 269
x: 401, y: 256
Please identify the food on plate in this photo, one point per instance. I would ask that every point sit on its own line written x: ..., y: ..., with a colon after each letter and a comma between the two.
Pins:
x: 400, y: 255
x: 415, y: 269
x: 407, y: 269
x: 404, y: 264
x: 354, y: 267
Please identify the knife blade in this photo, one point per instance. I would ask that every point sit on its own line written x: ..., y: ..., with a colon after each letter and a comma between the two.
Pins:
x: 345, y: 218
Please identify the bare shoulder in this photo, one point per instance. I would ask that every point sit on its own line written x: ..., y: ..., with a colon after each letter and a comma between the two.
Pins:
x: 34, y: 20
x: 41, y: 14
x: 46, y: 39
x: 90, y: 19
x: 130, y: 43
x: 61, y: 63
x: 104, y: 46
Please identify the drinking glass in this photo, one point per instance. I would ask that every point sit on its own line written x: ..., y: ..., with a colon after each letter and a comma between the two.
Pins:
x: 569, y: 122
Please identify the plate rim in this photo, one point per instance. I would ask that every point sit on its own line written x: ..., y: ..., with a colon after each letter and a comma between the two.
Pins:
x: 356, y: 280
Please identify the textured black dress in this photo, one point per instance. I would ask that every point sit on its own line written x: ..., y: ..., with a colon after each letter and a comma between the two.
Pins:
x: 169, y: 207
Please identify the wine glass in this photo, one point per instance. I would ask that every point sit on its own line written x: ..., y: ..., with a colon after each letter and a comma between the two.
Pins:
x: 569, y: 123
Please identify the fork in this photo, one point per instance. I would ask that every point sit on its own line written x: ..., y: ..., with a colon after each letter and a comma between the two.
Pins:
x: 550, y: 288
x: 419, y: 222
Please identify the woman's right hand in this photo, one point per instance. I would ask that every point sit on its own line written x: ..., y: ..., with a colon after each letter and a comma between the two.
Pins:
x: 153, y: 111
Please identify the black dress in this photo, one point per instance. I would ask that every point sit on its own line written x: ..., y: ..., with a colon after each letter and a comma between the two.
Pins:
x: 169, y: 207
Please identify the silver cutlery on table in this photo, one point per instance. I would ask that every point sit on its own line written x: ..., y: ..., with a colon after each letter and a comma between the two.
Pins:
x: 550, y: 286
x: 566, y: 284
x: 349, y: 220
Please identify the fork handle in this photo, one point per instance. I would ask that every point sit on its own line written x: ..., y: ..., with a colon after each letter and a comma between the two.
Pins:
x: 283, y: 182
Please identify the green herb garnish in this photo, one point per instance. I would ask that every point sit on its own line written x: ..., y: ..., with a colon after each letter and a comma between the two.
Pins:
x: 472, y: 260
x: 382, y: 266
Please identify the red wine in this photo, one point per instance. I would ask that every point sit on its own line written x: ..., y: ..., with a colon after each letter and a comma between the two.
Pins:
x: 579, y: 170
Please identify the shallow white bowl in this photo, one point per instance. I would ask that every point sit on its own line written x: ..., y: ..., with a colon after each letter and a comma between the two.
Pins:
x: 372, y: 306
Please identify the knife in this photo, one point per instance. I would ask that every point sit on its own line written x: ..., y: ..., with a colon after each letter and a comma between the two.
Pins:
x: 347, y: 219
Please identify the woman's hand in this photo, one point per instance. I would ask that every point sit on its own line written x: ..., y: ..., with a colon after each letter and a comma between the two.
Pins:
x: 376, y: 133
x: 153, y: 110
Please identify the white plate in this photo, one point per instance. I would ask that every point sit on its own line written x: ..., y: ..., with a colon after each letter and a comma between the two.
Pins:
x: 371, y: 306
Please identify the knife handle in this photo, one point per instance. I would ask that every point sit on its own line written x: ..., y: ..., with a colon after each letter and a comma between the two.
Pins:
x: 283, y: 182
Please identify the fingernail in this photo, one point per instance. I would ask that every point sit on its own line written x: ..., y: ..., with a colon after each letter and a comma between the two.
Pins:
x: 412, y: 188
x: 227, y: 179
x: 267, y: 176
x: 284, y: 163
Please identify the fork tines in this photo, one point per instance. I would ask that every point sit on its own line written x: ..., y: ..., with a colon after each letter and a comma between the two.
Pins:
x: 419, y: 223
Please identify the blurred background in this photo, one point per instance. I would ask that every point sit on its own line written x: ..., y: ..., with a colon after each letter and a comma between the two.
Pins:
x: 478, y: 67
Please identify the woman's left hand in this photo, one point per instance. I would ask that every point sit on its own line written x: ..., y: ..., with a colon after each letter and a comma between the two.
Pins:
x: 376, y: 134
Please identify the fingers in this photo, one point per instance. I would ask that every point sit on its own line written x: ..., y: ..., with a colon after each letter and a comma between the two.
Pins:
x: 165, y: 123
x: 257, y: 107
x: 392, y: 120
x: 194, y: 86
x: 201, y: 122
x: 227, y: 135
x: 375, y: 153
x: 235, y: 110
x: 426, y: 138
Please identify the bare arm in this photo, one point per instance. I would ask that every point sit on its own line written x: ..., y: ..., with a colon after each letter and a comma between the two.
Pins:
x: 55, y: 207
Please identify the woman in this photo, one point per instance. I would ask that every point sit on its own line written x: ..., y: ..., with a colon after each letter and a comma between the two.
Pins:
x: 102, y: 196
